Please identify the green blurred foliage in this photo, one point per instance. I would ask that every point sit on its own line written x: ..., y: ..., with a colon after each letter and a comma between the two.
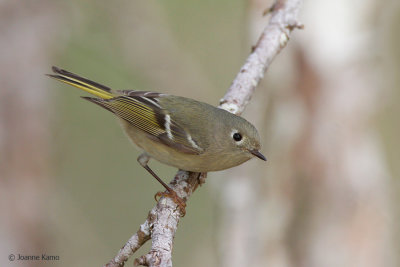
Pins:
x: 387, y: 119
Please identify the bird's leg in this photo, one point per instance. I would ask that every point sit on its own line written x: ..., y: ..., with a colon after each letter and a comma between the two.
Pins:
x: 143, y: 159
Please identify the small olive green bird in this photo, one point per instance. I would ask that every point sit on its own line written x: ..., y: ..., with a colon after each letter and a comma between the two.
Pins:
x: 178, y: 131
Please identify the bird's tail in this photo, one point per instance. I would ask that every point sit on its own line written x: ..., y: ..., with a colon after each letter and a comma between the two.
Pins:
x: 89, y: 86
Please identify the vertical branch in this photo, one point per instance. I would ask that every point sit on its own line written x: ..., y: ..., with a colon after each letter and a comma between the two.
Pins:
x: 333, y: 176
x: 344, y: 173
x: 24, y: 136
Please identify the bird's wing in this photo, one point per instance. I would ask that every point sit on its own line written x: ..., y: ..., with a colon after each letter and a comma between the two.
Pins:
x: 143, y: 111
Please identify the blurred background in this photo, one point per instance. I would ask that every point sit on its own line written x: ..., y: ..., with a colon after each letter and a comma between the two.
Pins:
x: 327, y: 111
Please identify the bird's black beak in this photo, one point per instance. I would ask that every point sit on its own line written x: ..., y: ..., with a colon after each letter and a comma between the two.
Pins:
x: 258, y: 154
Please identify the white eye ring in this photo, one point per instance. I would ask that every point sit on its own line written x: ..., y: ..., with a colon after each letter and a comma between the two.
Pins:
x: 237, y: 137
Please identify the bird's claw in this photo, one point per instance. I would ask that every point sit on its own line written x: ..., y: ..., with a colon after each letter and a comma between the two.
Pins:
x: 172, y: 195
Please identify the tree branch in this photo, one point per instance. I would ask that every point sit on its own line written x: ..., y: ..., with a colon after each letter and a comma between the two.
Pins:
x: 162, y: 221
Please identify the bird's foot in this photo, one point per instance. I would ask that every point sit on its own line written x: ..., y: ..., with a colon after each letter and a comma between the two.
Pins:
x: 174, y: 196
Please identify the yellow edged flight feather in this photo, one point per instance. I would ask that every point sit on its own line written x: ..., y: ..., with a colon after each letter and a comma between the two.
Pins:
x: 140, y: 109
x: 84, y: 84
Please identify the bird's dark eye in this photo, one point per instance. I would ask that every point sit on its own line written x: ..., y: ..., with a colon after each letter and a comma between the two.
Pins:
x: 237, y: 137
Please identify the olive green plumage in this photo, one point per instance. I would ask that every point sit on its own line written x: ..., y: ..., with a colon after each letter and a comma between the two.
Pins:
x: 177, y: 131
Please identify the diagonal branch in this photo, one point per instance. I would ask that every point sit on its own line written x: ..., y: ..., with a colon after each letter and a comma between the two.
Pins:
x: 272, y: 40
x: 162, y: 221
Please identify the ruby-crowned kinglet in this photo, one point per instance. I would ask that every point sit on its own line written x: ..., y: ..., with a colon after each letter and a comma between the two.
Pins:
x: 178, y: 131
